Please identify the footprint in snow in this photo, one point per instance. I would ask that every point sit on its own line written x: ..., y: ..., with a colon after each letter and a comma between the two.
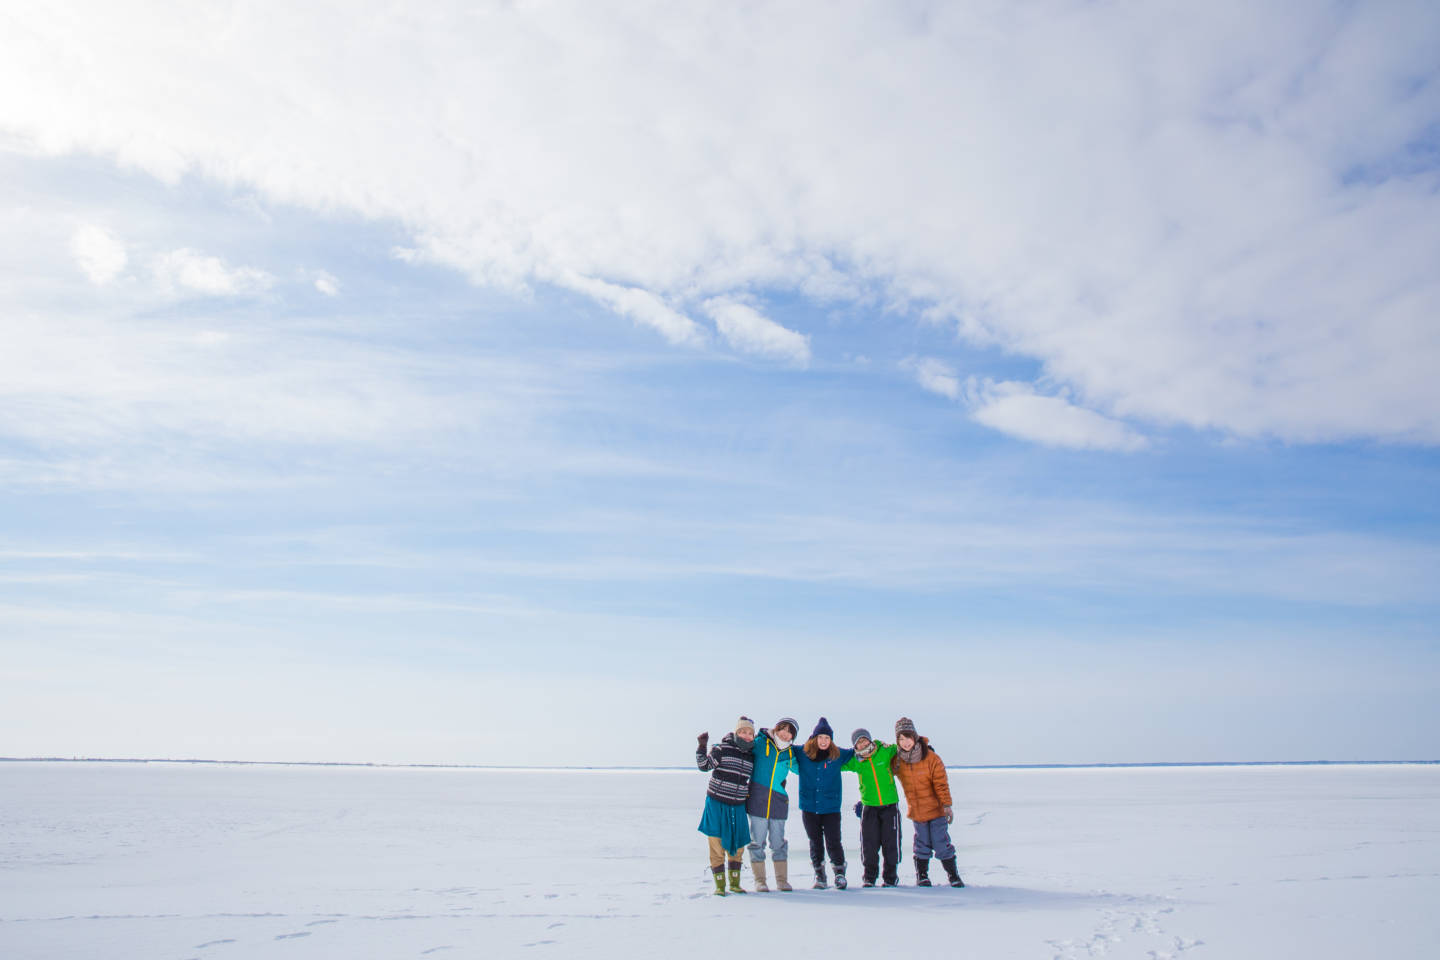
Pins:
x: 212, y: 943
x: 292, y: 936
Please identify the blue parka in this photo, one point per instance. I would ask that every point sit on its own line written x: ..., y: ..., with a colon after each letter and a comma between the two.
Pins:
x: 820, y: 785
x: 767, y: 784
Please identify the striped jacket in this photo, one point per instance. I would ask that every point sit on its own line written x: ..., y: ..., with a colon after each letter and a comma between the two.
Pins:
x: 731, y: 764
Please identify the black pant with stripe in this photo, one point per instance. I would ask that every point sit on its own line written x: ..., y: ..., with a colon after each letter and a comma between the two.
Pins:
x: 880, y: 839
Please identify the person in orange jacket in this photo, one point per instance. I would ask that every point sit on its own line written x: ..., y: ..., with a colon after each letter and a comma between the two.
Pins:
x: 922, y: 776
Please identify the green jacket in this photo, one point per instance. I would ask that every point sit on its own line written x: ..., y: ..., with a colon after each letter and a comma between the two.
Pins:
x: 877, y: 783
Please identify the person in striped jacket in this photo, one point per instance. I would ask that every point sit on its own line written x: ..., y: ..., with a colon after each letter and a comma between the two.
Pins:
x: 730, y: 763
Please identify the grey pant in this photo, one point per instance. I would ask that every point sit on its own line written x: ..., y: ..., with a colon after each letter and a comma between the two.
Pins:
x: 772, y: 830
x: 932, y: 839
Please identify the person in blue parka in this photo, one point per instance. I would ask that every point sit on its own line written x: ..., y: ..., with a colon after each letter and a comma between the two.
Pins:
x: 818, y: 764
x: 769, y: 805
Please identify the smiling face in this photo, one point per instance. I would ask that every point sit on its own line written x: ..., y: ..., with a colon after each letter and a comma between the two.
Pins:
x: 823, y: 741
x: 746, y: 734
x: 863, y: 747
x: 905, y: 741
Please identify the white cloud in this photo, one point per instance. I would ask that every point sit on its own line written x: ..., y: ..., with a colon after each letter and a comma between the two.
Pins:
x: 188, y: 270
x: 1222, y: 216
x: 327, y: 283
x: 748, y: 330
x: 935, y: 375
x: 99, y: 253
x: 1016, y: 409
x: 639, y: 305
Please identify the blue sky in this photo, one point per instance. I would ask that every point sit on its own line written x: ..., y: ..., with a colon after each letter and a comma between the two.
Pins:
x: 553, y: 374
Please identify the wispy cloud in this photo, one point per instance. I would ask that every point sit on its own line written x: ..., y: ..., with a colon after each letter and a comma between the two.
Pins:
x: 100, y: 255
x: 748, y: 330
x: 1197, y: 217
x: 188, y: 271
x: 640, y: 305
x: 934, y: 375
x: 327, y: 283
x: 1016, y: 409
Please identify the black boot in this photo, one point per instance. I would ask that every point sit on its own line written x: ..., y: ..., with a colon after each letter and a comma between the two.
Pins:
x: 922, y: 871
x: 839, y: 876
x: 819, y: 875
x: 952, y: 872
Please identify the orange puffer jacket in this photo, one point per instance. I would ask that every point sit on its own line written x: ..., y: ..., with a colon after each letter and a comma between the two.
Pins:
x: 927, y: 788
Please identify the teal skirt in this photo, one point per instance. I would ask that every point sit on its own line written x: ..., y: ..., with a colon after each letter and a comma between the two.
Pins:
x: 726, y: 821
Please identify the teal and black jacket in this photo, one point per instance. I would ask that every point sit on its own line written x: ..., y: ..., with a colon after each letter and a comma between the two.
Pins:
x: 767, y: 784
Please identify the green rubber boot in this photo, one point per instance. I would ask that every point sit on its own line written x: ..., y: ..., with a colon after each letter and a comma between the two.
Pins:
x: 735, y: 878
x: 719, y: 880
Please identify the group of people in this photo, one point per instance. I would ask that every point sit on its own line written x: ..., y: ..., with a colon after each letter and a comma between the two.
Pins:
x: 747, y: 805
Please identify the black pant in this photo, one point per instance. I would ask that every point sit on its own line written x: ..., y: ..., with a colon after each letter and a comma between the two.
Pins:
x: 823, y: 829
x: 880, y: 837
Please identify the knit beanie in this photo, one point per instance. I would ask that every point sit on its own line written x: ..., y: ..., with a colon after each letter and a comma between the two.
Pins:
x: 860, y: 734
x: 906, y: 726
x: 823, y: 729
x: 744, y: 722
x: 790, y: 722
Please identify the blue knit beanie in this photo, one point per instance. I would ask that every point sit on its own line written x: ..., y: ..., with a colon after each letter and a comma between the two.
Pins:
x: 823, y: 729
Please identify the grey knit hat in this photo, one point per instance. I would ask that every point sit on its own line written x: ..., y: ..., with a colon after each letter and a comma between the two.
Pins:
x: 906, y: 726
x: 788, y: 721
x: 860, y: 734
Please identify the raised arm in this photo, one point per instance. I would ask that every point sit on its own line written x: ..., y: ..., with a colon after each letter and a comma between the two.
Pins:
x: 704, y: 760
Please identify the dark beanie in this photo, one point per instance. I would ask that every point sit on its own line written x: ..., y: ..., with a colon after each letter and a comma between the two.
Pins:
x: 906, y: 726
x: 860, y: 734
x: 823, y: 729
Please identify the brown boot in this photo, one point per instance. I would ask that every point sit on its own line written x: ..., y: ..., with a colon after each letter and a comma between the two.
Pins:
x: 782, y: 875
x: 759, y: 867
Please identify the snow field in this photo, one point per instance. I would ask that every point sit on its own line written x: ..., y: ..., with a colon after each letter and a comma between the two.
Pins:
x: 176, y: 861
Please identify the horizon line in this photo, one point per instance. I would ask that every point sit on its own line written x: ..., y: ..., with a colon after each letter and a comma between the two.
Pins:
x: 680, y: 767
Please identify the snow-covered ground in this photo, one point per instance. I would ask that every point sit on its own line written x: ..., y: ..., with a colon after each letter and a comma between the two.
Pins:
x: 169, y: 861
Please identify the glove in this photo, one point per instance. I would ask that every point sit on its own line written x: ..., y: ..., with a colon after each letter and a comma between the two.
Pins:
x: 703, y: 740
x: 949, y: 814
x: 859, y: 807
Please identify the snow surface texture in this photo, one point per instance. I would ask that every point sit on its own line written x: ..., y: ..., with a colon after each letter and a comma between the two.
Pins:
x: 172, y: 861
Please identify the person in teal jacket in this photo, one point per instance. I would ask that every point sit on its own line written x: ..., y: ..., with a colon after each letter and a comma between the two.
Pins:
x: 880, y: 808
x: 769, y: 804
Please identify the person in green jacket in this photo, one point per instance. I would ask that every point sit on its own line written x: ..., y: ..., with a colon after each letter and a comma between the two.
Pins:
x: 879, y: 808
